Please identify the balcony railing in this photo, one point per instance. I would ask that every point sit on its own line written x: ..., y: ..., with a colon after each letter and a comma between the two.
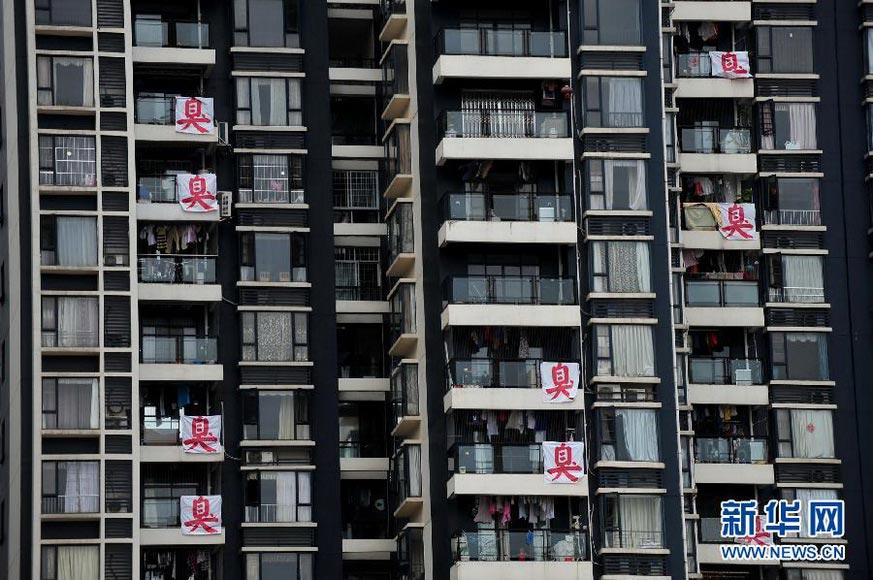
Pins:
x: 493, y: 42
x: 270, y: 196
x: 710, y: 531
x: 730, y: 450
x: 404, y: 392
x: 177, y: 269
x: 271, y: 513
x: 618, y: 538
x: 797, y: 295
x: 693, y: 64
x: 494, y: 373
x: 725, y: 371
x: 520, y: 546
x: 71, y: 504
x: 716, y: 140
x: 504, y: 124
x: 152, y: 32
x: 509, y: 290
x: 793, y: 217
x: 160, y: 430
x: 733, y: 293
x: 487, y: 458
x: 179, y: 349
x: 353, y: 62
x: 515, y: 207
x: 156, y: 189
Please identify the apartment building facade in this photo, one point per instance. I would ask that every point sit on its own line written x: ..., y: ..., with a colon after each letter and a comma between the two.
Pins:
x: 414, y: 289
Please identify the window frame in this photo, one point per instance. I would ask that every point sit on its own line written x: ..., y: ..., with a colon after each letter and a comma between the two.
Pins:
x: 607, y: 527
x: 246, y: 177
x: 301, y: 557
x: 54, y: 464
x: 289, y: 111
x: 255, y: 479
x: 591, y: 27
x: 241, y: 32
x: 302, y: 414
x: 44, y: 7
x: 53, y: 574
x: 249, y: 256
x: 253, y: 315
x: 53, y: 142
x: 50, y: 89
x: 764, y: 52
x: 600, y: 279
x: 600, y: 109
x: 780, y: 339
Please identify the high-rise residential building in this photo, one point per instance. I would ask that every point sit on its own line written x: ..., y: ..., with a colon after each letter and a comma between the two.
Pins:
x: 432, y: 289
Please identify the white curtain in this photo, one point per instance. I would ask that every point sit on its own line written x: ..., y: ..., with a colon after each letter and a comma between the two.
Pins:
x: 78, y: 404
x: 640, y: 433
x: 284, y: 403
x: 812, y: 433
x: 77, y: 321
x: 286, y: 495
x: 73, y: 81
x: 253, y: 567
x: 295, y: 102
x: 629, y: 267
x: 76, y: 241
x: 805, y: 495
x: 635, y: 185
x: 78, y: 562
x: 633, y: 350
x: 81, y: 486
x: 802, y: 124
x: 803, y: 278
x: 823, y: 575
x: 640, y: 521
x: 625, y: 102
x: 269, y: 105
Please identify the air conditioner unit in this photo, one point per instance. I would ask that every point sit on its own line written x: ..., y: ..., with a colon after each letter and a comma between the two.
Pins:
x: 226, y: 202
x: 743, y: 376
x: 223, y: 134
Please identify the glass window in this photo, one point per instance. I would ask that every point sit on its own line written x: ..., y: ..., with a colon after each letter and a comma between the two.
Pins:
x: 276, y: 415
x: 279, y: 496
x: 70, y: 487
x: 69, y: 403
x: 621, y: 267
x: 793, y: 201
x: 273, y: 257
x: 63, y: 12
x: 275, y: 336
x: 629, y: 435
x: 268, y: 102
x: 788, y: 126
x: 266, y: 23
x: 271, y: 179
x: 67, y: 160
x: 279, y: 566
x: 632, y: 521
x: 613, y: 101
x: 69, y: 562
x: 65, y: 81
x: 617, y: 184
x: 805, y: 433
x: 69, y: 321
x: 68, y: 241
x: 625, y: 350
x: 785, y: 49
x: 611, y: 22
x: 799, y: 356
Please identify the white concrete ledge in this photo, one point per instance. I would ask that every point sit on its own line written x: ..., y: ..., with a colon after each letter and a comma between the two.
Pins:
x: 360, y: 229
x: 152, y: 54
x: 364, y: 467
x: 512, y: 484
x: 505, y: 400
x: 172, y: 212
x: 174, y: 537
x: 511, y: 315
x: 180, y: 292
x: 363, y: 307
x: 357, y: 75
x: 174, y: 454
x: 728, y: 394
x: 358, y: 151
x: 144, y: 132
x: 368, y: 549
x: 180, y: 372
x: 500, y: 67
x: 712, y: 11
x: 522, y: 571
x: 725, y: 316
x: 491, y: 232
x: 713, y: 240
x: 714, y: 87
x: 718, y: 162
x: 364, y: 385
x: 523, y: 149
x: 747, y: 473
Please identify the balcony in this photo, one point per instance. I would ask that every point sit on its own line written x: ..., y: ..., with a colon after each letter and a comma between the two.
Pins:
x: 732, y: 459
x: 717, y: 150
x: 710, y: 537
x: 403, y: 323
x: 169, y: 562
x: 405, y: 399
x: 156, y: 121
x: 401, y: 239
x: 500, y: 54
x: 534, y: 218
x: 694, y: 79
x: 504, y: 134
x: 171, y: 42
x: 394, y: 17
x: 395, y: 81
x: 701, y: 230
x: 156, y: 201
x: 167, y: 356
x: 178, y: 277
x: 723, y: 303
x: 521, y: 555
x: 406, y: 481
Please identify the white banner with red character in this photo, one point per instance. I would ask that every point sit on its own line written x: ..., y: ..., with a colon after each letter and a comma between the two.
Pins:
x: 197, y: 193
x: 200, y: 434
x: 195, y: 115
x: 563, y: 461
x: 736, y: 221
x: 560, y: 381
x: 201, y: 515
x: 730, y: 65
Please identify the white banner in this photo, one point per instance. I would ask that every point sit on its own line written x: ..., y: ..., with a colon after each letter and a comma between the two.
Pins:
x: 560, y: 381
x: 200, y: 434
x: 730, y: 65
x: 197, y: 193
x: 736, y: 221
x: 195, y: 115
x: 563, y: 461
x: 201, y: 515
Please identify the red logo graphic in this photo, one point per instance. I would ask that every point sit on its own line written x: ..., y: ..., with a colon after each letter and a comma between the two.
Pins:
x: 562, y: 381
x: 737, y: 223
x: 761, y: 538
x: 564, y: 464
x: 201, y: 518
x: 199, y: 194
x: 200, y: 435
x: 193, y: 116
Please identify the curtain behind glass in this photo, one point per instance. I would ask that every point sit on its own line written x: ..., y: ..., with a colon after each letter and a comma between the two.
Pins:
x: 803, y: 278
x: 629, y: 267
x: 73, y: 81
x: 78, y: 404
x: 269, y: 106
x: 77, y: 322
x: 625, y: 184
x: 807, y: 355
x: 619, y: 22
x: 273, y: 257
x: 805, y: 495
x: 276, y: 415
x: 641, y: 521
x: 81, y: 486
x: 625, y: 102
x: 792, y: 49
x: 77, y: 241
x: 274, y: 337
x: 78, y: 562
x: 266, y: 23
x: 633, y: 350
x: 639, y: 435
x: 812, y: 433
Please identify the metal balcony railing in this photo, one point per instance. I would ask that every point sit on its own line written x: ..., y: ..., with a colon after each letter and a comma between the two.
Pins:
x: 177, y: 269
x: 520, y: 546
x: 489, y: 458
x: 724, y: 293
x: 155, y: 32
x: 494, y: 42
x: 509, y: 290
x: 716, y: 140
x: 725, y: 371
x: 796, y: 294
x: 504, y: 124
x: 178, y: 349
x: 730, y: 450
x: 517, y: 207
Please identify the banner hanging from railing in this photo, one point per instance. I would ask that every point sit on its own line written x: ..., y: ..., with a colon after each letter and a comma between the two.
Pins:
x: 197, y: 193
x: 195, y: 115
x: 200, y: 515
x: 560, y: 381
x: 200, y: 434
x: 563, y: 461
x: 730, y: 65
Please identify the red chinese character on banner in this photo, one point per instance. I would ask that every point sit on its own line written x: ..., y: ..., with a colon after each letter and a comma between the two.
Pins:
x: 731, y: 64
x: 192, y: 116
x: 564, y: 464
x: 200, y: 435
x: 201, y: 517
x: 761, y: 538
x: 737, y: 223
x: 199, y: 194
x: 562, y: 381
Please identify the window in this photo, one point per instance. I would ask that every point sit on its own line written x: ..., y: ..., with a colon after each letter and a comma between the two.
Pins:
x: 63, y: 12
x: 785, y: 49
x: 70, y: 487
x: 813, y: 574
x: 268, y: 102
x: 799, y: 356
x: 275, y: 336
x: 613, y: 101
x: 629, y: 435
x: 611, y: 22
x: 625, y: 350
x: 788, y: 126
x: 868, y: 50
x: 67, y: 160
x: 266, y: 23
x: 276, y: 415
x: 403, y: 309
x: 271, y: 179
x: 798, y: 279
x: 273, y: 257
x: 632, y: 521
x: 279, y: 566
x: 805, y: 433
x: 614, y: 184
x: 805, y: 495
x: 355, y: 196
x: 69, y: 562
x: 69, y: 321
x: 69, y: 403
x: 401, y: 234
x: 68, y: 241
x: 358, y: 273
x: 279, y: 496
x: 621, y: 267
x: 792, y: 201
x: 65, y: 81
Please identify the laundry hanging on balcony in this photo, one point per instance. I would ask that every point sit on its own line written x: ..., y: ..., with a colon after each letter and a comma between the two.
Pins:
x: 201, y: 434
x: 195, y: 115
x: 197, y: 193
x: 200, y: 515
x: 730, y: 65
x: 560, y: 381
x: 563, y: 461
